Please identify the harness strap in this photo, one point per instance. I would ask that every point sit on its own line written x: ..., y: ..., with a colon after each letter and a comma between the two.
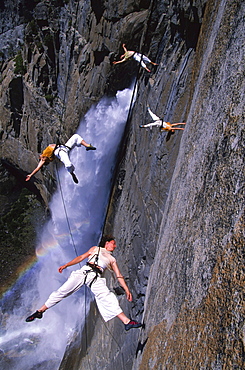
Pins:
x: 59, y: 146
x: 93, y: 269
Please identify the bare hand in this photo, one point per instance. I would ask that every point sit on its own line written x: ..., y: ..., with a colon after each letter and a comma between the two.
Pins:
x: 129, y: 296
x: 28, y: 177
x: 61, y: 268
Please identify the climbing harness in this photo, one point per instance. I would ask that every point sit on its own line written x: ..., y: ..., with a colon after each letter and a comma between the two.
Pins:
x: 62, y: 147
x: 95, y: 269
x: 94, y: 266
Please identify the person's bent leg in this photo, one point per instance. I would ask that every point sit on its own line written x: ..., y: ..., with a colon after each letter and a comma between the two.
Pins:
x: 108, y: 304
x: 88, y: 146
x: 123, y: 318
x: 64, y: 157
x: 144, y: 66
x: 106, y: 300
x: 77, y: 140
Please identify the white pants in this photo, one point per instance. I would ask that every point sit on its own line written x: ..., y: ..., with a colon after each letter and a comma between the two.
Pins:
x: 62, y: 152
x: 145, y: 59
x: 106, y: 300
x: 152, y: 124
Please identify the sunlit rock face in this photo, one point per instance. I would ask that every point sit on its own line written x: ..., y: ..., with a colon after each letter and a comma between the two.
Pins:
x: 177, y: 206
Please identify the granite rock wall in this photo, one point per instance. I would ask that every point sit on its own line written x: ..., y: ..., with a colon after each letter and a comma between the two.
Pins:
x: 177, y: 204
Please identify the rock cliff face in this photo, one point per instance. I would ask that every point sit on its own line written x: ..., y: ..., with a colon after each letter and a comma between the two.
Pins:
x: 177, y: 205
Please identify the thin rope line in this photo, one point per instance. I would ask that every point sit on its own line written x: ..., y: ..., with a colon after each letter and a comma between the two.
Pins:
x: 85, y: 325
x: 68, y: 72
x: 66, y: 215
x: 120, y: 156
x: 120, y: 347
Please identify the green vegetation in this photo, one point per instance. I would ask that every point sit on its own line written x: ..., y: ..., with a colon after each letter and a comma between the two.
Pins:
x: 49, y: 98
x: 19, y: 65
x: 48, y: 39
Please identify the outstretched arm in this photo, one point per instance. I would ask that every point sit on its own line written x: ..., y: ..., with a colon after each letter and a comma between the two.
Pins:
x: 77, y: 259
x: 120, y: 61
x: 124, y: 48
x: 123, y: 59
x: 39, y: 166
x: 121, y: 281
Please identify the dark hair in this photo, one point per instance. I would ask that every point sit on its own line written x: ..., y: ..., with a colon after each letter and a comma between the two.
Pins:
x: 104, y: 239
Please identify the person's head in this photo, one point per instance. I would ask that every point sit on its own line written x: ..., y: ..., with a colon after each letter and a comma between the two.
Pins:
x: 44, y: 158
x: 108, y: 242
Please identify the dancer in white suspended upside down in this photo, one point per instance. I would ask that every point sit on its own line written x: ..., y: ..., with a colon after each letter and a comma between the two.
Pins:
x: 142, y: 59
x: 61, y: 151
x: 99, y: 259
x: 159, y: 122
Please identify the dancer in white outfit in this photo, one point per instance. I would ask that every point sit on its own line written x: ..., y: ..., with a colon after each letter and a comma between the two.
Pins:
x: 61, y: 151
x: 158, y: 122
x: 91, y: 274
x: 142, y: 59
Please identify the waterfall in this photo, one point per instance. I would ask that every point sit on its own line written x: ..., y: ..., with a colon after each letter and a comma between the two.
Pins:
x: 78, y: 213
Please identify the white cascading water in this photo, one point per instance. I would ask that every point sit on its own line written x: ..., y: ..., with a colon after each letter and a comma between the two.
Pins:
x: 78, y: 214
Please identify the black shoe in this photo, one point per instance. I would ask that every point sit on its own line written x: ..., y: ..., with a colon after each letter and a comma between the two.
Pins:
x: 90, y: 147
x: 74, y: 177
x: 132, y: 324
x: 35, y: 315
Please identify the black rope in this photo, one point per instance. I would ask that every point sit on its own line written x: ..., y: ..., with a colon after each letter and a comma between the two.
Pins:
x: 66, y: 215
x: 59, y: 131
x: 67, y: 76
x: 124, y: 141
x: 120, y: 347
x: 85, y: 325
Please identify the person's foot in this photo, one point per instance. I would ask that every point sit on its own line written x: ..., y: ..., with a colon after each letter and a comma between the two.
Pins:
x: 74, y: 177
x: 141, y: 126
x: 35, y: 315
x: 90, y: 147
x: 132, y: 324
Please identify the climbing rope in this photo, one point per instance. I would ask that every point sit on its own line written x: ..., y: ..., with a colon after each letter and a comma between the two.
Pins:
x: 61, y: 121
x: 143, y: 39
x: 85, y: 325
x: 112, y: 336
x: 66, y: 215
x: 122, y: 149
x: 68, y: 74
